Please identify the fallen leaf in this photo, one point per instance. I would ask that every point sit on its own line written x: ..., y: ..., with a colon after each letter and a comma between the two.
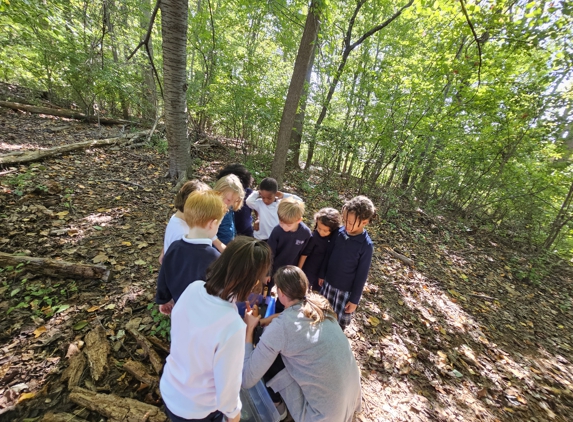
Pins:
x: 80, y: 325
x: 39, y: 331
x: 373, y: 321
x: 126, y: 243
x: 26, y: 396
x: 100, y: 258
x: 140, y: 262
x: 62, y: 214
x: 93, y: 308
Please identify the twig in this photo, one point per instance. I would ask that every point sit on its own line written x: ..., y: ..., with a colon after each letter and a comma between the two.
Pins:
x: 465, y: 12
x: 145, y: 42
x: 483, y: 297
x: 120, y: 181
x: 8, y: 172
x: 153, y: 129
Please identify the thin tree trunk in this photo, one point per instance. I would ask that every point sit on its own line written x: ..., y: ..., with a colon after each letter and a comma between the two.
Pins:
x: 296, y: 134
x: 174, y: 33
x: 294, y: 92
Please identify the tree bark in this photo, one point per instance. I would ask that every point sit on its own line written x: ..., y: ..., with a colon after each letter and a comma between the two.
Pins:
x: 115, y: 408
x: 60, y: 112
x: 174, y: 34
x: 29, y: 156
x: 56, y: 268
x: 294, y: 92
x: 296, y: 134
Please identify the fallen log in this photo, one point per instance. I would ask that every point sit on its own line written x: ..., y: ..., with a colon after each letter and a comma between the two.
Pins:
x: 61, y: 417
x: 148, y: 348
x: 115, y: 408
x: 138, y: 370
x: 399, y: 256
x: 62, y: 112
x: 37, y: 155
x: 73, y: 373
x: 97, y: 351
x: 56, y: 268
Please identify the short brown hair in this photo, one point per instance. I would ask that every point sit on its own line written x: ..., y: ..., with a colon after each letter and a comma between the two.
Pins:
x: 202, y: 207
x: 294, y: 284
x: 290, y: 210
x: 187, y: 189
x: 231, y: 183
x: 329, y: 217
x: 242, y: 266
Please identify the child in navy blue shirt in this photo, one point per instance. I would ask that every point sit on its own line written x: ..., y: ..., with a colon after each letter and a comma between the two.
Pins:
x: 187, y: 259
x: 346, y: 268
x: 287, y: 240
x: 327, y: 221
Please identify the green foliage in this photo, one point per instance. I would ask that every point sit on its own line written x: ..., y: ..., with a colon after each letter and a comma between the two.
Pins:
x: 161, y: 323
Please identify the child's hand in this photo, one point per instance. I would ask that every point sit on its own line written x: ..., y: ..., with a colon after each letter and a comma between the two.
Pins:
x: 166, y: 308
x: 279, y: 195
x: 251, y: 320
x: 256, y: 225
x: 350, y: 307
x: 320, y: 281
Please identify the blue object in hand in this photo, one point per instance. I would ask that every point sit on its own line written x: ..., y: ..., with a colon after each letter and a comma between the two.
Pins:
x: 271, y: 302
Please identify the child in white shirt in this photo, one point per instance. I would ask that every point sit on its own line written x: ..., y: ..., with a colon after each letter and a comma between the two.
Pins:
x: 177, y: 228
x: 202, y: 376
x: 265, y: 202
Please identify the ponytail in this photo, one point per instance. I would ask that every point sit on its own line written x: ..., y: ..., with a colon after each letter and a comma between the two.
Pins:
x: 294, y: 284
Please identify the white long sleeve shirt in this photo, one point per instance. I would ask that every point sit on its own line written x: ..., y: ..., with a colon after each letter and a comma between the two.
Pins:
x: 203, y: 372
x: 268, y: 216
x: 176, y: 229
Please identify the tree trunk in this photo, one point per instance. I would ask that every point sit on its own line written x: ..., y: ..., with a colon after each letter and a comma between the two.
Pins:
x: 174, y: 34
x: 294, y: 92
x: 296, y: 134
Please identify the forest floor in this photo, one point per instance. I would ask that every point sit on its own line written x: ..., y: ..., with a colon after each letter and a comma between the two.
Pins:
x: 472, y: 331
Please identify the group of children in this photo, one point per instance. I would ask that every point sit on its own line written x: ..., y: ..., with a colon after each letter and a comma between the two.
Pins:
x: 335, y: 257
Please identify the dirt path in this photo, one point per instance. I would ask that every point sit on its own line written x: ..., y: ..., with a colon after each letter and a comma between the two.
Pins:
x: 471, y: 332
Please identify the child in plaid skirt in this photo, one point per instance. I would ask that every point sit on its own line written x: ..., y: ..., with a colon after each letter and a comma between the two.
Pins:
x: 348, y: 262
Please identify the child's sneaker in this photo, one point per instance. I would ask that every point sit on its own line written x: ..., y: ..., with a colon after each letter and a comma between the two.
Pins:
x: 282, y: 409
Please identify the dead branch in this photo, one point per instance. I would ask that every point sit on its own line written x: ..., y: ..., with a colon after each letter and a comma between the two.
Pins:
x: 116, y: 408
x: 477, y: 40
x: 60, y: 112
x: 37, y: 155
x: 146, y: 345
x: 399, y: 256
x: 56, y: 268
x: 97, y: 351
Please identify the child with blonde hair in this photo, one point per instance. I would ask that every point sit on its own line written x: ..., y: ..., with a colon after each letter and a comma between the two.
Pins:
x: 287, y: 240
x: 231, y: 190
x: 347, y: 267
x: 187, y: 259
x: 177, y: 227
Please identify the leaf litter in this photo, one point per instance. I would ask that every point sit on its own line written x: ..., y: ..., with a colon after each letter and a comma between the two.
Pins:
x: 462, y: 334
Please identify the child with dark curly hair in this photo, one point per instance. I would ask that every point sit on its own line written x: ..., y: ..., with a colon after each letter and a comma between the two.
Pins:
x: 347, y: 265
x: 327, y: 221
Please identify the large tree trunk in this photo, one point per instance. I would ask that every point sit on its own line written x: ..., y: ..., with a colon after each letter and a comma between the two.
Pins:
x: 174, y: 33
x: 294, y: 92
x: 296, y: 134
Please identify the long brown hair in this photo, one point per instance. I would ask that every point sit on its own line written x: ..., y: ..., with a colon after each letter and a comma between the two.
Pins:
x: 294, y: 284
x: 242, y: 267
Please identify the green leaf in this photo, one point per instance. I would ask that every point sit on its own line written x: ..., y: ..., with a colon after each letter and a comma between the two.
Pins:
x: 80, y: 325
x: 15, y: 291
x: 98, y: 227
